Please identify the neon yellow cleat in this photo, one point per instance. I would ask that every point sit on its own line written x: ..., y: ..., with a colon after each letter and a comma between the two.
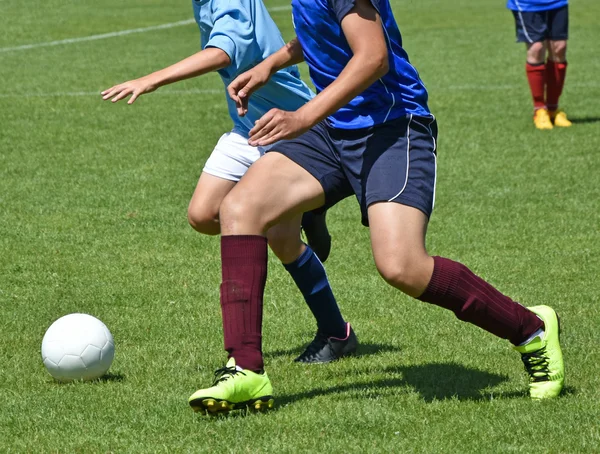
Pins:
x: 541, y: 119
x: 560, y: 120
x: 234, y: 388
x: 543, y: 358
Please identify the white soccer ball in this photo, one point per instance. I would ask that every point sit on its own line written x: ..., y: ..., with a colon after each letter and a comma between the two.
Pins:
x: 77, y: 347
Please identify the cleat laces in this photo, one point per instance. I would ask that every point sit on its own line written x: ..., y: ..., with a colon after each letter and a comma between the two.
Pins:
x: 536, y: 364
x: 224, y: 373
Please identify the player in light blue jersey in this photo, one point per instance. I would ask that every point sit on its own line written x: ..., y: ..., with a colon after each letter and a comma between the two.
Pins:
x: 367, y: 133
x: 543, y: 25
x: 236, y: 35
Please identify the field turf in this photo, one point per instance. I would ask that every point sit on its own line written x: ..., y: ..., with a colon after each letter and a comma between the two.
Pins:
x: 93, y: 202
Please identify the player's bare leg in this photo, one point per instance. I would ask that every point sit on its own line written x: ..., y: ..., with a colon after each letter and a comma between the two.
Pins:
x: 556, y: 70
x: 398, y: 241
x: 252, y: 207
x: 536, y: 76
x: 203, y: 210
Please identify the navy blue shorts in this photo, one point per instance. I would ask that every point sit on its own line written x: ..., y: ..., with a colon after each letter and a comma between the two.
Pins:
x: 538, y: 26
x: 391, y: 162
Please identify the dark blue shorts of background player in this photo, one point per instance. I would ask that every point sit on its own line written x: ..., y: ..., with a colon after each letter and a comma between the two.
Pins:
x: 538, y: 26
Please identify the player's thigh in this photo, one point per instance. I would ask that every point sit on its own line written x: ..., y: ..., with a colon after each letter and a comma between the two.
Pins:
x: 208, y: 195
x: 285, y: 241
x: 398, y: 241
x: 274, y: 189
x: 229, y: 161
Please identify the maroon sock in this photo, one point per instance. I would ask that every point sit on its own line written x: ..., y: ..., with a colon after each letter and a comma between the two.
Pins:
x: 536, y: 76
x: 455, y: 287
x: 555, y: 81
x: 244, y: 273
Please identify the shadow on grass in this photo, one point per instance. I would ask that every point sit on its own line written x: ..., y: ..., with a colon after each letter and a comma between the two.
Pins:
x: 363, y: 350
x: 583, y: 120
x: 106, y: 378
x: 441, y: 381
x: 432, y: 381
x: 111, y: 378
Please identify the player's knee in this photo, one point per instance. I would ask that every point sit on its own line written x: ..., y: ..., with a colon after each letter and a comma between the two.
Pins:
x: 536, y: 53
x: 395, y: 276
x: 205, y: 222
x: 402, y: 273
x: 244, y: 211
x: 559, y: 50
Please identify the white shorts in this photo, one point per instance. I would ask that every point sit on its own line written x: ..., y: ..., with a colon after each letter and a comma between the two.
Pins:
x: 232, y: 157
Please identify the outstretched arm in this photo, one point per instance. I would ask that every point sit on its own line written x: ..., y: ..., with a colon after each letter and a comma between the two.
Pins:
x: 205, y: 61
x: 363, y: 30
x: 248, y: 82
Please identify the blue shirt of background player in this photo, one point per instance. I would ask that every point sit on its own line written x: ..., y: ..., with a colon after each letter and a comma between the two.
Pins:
x: 399, y: 93
x: 535, y: 5
x: 247, y: 33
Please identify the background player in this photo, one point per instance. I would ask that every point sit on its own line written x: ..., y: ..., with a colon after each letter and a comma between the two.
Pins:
x: 368, y: 132
x: 543, y: 25
x: 237, y: 34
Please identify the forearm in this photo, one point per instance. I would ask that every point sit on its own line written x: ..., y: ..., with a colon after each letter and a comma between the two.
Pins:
x: 288, y: 55
x: 358, y: 75
x: 203, y: 62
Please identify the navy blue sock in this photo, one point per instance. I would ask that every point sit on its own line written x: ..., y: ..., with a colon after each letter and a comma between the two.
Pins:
x: 310, y: 277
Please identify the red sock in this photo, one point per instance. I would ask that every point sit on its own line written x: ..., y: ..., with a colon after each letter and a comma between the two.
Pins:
x: 555, y: 81
x: 244, y: 273
x: 536, y: 75
x: 455, y: 287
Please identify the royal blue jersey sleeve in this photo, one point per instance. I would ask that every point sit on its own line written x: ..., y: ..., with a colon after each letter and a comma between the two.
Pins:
x: 535, y: 5
x: 233, y: 32
x: 342, y: 7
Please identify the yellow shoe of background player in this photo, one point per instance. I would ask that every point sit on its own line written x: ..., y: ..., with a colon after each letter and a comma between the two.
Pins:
x: 560, y: 120
x: 541, y: 119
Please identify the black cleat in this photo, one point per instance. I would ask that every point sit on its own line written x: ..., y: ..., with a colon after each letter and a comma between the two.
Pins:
x: 325, y: 349
x: 317, y: 234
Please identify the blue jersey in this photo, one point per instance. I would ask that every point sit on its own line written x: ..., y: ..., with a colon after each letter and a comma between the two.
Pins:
x: 246, y: 32
x: 535, y: 5
x: 326, y: 51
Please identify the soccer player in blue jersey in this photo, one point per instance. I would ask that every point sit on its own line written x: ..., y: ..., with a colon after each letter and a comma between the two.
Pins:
x: 368, y: 132
x: 543, y: 25
x: 236, y: 35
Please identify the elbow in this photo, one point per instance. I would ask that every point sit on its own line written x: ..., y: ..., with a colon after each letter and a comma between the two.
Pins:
x: 379, y: 64
x: 382, y: 65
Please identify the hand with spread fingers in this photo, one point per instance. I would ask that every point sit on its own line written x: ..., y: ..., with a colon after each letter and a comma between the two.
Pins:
x: 245, y: 84
x: 278, y: 125
x: 135, y: 88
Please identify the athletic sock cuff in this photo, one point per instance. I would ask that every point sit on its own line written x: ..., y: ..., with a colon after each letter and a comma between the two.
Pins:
x: 444, y: 280
x: 244, y: 247
x: 301, y: 260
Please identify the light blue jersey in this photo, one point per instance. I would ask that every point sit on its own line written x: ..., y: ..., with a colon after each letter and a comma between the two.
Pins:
x: 535, y: 5
x: 247, y: 33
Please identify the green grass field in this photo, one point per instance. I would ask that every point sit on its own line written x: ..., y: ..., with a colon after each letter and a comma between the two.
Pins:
x: 93, y: 202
